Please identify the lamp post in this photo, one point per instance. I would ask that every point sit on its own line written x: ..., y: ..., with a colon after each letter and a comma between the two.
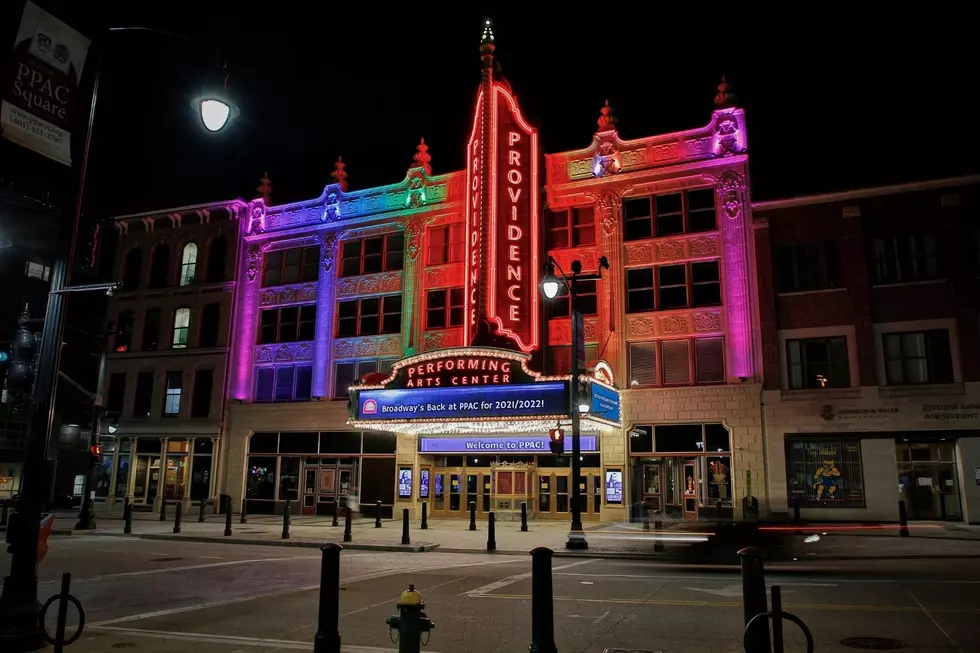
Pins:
x: 19, y: 607
x: 550, y: 287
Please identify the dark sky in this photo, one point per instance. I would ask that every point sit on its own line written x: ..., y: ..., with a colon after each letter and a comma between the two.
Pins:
x: 831, y: 103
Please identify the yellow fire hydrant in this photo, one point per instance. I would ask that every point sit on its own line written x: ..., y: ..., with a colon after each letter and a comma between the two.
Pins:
x: 410, y: 622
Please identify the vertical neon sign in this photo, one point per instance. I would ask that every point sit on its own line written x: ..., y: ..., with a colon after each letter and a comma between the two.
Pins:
x: 474, y: 245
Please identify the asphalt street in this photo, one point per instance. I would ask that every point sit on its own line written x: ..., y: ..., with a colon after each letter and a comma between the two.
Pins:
x: 153, y: 596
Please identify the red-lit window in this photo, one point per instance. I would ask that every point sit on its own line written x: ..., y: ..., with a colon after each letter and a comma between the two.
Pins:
x: 370, y: 255
x: 669, y: 215
x: 667, y: 287
x: 571, y: 227
x: 685, y: 361
x: 297, y: 265
x: 588, y: 302
x: 444, y: 308
x: 369, y: 316
x: 446, y: 244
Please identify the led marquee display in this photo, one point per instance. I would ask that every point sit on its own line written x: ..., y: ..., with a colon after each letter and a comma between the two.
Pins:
x: 504, y: 401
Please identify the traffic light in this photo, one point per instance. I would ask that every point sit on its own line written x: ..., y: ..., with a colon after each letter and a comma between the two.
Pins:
x: 556, y: 441
x: 20, y: 367
x: 96, y: 452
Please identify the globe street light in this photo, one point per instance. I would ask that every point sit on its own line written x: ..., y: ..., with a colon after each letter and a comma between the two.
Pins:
x: 550, y: 285
x: 216, y: 112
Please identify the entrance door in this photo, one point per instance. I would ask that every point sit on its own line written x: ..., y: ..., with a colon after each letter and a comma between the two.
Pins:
x: 691, y: 486
x: 928, y: 481
x: 309, y: 491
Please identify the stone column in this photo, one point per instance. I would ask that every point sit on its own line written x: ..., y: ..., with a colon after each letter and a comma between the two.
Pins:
x: 162, y: 481
x: 412, y: 303
x: 324, y: 316
x: 611, y: 332
x: 188, y: 474
x: 735, y: 236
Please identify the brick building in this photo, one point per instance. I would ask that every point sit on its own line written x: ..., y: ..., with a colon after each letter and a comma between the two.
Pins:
x: 869, y: 322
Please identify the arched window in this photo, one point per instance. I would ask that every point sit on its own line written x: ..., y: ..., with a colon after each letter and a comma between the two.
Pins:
x: 132, y: 269
x: 188, y: 264
x: 182, y: 324
x: 217, y: 255
x: 160, y: 266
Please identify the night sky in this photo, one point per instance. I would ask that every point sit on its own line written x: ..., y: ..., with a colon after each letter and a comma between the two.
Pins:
x: 831, y: 104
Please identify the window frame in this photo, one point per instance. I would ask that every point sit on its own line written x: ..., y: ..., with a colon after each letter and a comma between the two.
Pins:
x: 309, y: 266
x: 138, y: 398
x: 169, y: 392
x: 890, y: 252
x: 561, y: 305
x: 195, y: 397
x: 447, y: 308
x: 181, y: 330
x: 188, y: 263
x: 386, y: 249
x: 382, y: 365
x: 294, y: 383
x: 297, y: 325
x: 453, y: 247
x: 686, y: 214
x: 575, y: 224
x: 931, y: 361
x: 689, y: 285
x: 827, y: 341
x: 795, y: 271
x: 359, y: 315
x: 692, y: 357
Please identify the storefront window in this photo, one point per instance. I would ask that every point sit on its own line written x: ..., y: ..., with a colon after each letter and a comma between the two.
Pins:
x: 641, y: 439
x: 719, y: 479
x: 825, y: 473
x: 102, y: 475
x: 289, y: 478
x: 122, y: 474
x: 261, y: 478
x: 680, y: 438
x: 201, y: 474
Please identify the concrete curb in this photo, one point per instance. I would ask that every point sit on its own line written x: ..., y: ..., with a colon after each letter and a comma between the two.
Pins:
x: 351, y: 546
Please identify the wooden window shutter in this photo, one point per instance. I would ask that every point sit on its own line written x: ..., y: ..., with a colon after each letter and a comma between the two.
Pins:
x: 643, y: 364
x: 677, y: 362
x: 709, y: 356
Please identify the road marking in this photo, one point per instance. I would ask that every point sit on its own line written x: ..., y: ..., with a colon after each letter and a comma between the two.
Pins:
x: 776, y: 578
x: 736, y: 604
x: 209, y: 565
x: 736, y: 590
x: 510, y: 580
x: 234, y: 639
x: 934, y: 622
x: 601, y: 617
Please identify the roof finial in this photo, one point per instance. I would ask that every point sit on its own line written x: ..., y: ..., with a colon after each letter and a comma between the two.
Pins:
x: 422, y: 157
x: 725, y: 99
x: 339, y: 174
x: 264, y: 189
x: 607, y: 120
x: 487, y: 47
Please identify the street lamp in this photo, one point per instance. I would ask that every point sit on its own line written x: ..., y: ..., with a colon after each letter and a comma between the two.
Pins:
x: 550, y: 286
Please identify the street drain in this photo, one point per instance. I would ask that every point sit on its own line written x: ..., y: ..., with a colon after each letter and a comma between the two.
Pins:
x: 873, y: 643
x: 124, y: 645
x: 165, y: 559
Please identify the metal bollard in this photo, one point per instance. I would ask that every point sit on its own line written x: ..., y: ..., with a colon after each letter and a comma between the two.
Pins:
x: 491, y: 532
x: 336, y: 510
x: 542, y: 602
x: 797, y: 520
x: 244, y: 519
x: 285, y: 521
x: 177, y: 516
x: 425, y: 515
x: 472, y: 515
x: 658, y: 543
x: 646, y: 517
x: 405, y: 538
x: 410, y: 622
x: 777, y: 616
x: 163, y: 510
x: 903, y: 520
x: 228, y: 520
x: 63, y: 598
x: 377, y: 514
x: 347, y: 534
x: 204, y: 505
x: 523, y: 516
x: 128, y: 517
x: 754, y: 594
x: 327, y: 639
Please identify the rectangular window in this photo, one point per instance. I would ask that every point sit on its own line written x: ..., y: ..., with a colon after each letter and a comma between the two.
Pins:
x: 446, y: 244
x: 375, y: 254
x: 669, y: 215
x: 811, y: 266
x: 825, y: 473
x: 917, y: 357
x: 297, y: 265
x: 444, y: 308
x: 684, y: 361
x: 369, y: 316
x: 588, y: 302
x: 265, y: 377
x: 284, y: 383
x: 682, y: 285
x: 287, y: 324
x: 124, y: 331
x: 116, y: 394
x: 210, y: 325
x: 171, y: 401
x: 151, y: 329
x: 182, y: 326
x: 902, y: 259
x: 348, y: 372
x: 814, y: 363
x: 571, y: 227
x: 37, y: 271
x: 201, y: 401
x: 144, y: 394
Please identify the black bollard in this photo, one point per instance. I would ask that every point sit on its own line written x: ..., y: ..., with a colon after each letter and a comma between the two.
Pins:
x: 405, y: 538
x: 3, y: 517
x: 645, y: 516
x: 200, y: 516
x: 285, y: 521
x: 377, y: 515
x: 523, y: 516
x: 336, y: 509
x: 347, y: 534
x: 754, y: 594
x: 658, y: 543
x: 244, y: 519
x: 472, y: 515
x: 542, y: 603
x: 797, y: 520
x: 777, y: 619
x: 903, y: 520
x: 425, y: 515
x: 327, y: 639
x: 491, y: 532
x: 163, y: 510
x: 177, y: 515
x: 228, y: 520
x: 128, y: 517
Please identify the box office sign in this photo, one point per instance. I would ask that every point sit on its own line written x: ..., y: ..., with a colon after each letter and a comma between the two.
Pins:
x: 497, y: 444
x: 41, y: 88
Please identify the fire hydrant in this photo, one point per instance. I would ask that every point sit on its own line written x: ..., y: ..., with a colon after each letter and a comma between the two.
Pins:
x: 410, y: 622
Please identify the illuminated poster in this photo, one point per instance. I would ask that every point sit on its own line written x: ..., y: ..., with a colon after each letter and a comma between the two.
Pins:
x: 424, y: 484
x: 614, y: 486
x: 405, y: 483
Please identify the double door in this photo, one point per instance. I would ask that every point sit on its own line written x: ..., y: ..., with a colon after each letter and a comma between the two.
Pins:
x: 553, y: 493
x: 672, y: 487
x: 451, y: 492
x: 327, y: 485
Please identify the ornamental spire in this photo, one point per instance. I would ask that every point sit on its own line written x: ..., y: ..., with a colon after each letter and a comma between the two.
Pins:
x: 264, y: 189
x: 339, y: 174
x: 607, y: 120
x: 725, y: 99
x: 486, y: 48
x: 422, y: 157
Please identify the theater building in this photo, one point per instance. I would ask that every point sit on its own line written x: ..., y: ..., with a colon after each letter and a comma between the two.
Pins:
x: 870, y: 323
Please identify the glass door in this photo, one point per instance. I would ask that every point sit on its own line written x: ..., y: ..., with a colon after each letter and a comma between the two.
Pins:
x: 544, y: 494
x: 928, y: 481
x: 691, y: 486
x: 440, y: 505
x: 309, y: 490
x: 455, y: 493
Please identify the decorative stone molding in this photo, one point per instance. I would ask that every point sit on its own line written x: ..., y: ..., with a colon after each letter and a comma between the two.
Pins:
x: 369, y: 284
x: 639, y: 254
x: 444, y: 276
x: 442, y: 339
x: 390, y: 347
x: 284, y: 353
x: 254, y: 256
x: 731, y: 186
x: 708, y: 321
x: 391, y: 282
x: 670, y: 250
x: 347, y: 287
x: 328, y: 251
x: 413, y: 234
x: 588, y: 256
x: 294, y: 218
x: 343, y: 349
x: 703, y: 246
x: 300, y: 294
x: 591, y: 329
x: 651, y: 325
x: 673, y: 324
x: 560, y: 331
x: 367, y: 347
x: 640, y: 326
